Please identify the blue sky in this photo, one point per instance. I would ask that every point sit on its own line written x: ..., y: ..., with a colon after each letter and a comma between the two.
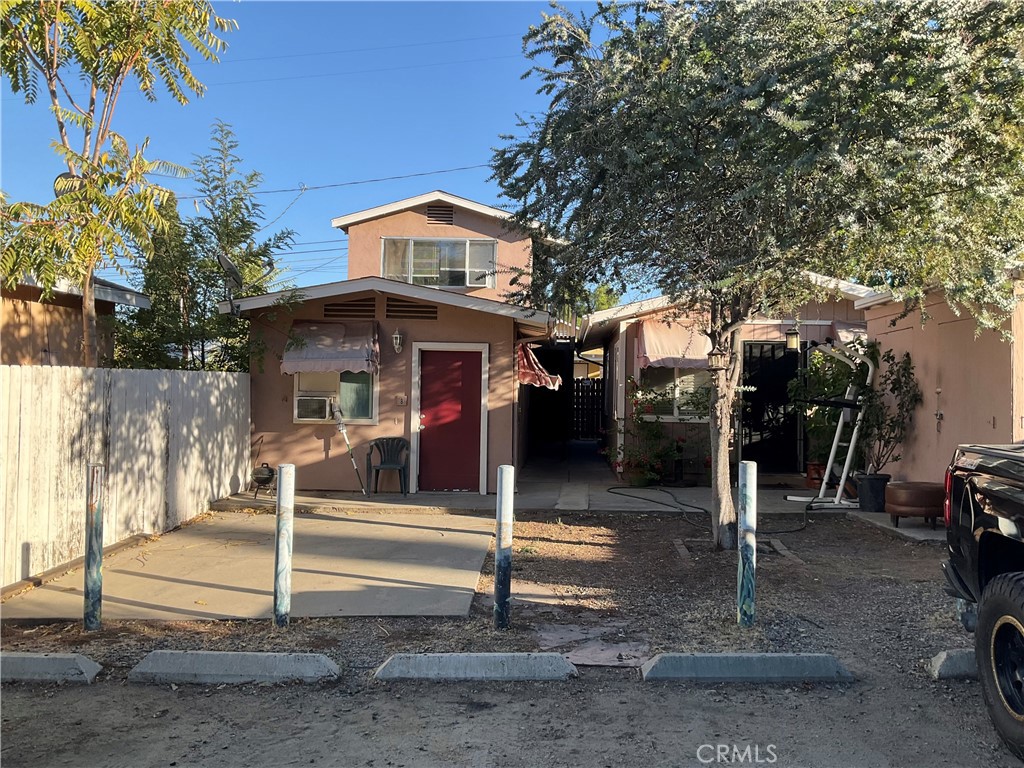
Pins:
x: 325, y: 93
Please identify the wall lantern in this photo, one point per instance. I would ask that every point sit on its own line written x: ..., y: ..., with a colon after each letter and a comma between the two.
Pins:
x: 793, y: 339
x: 718, y: 360
x: 396, y: 339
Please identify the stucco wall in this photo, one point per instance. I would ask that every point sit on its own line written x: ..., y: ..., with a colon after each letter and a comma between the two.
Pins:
x: 318, y: 450
x: 36, y: 332
x: 364, y: 244
x: 974, y: 375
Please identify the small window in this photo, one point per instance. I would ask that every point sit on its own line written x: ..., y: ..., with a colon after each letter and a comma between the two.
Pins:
x: 355, y: 393
x: 678, y: 384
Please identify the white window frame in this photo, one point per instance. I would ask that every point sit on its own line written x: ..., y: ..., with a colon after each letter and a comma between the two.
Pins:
x: 490, y: 281
x: 679, y: 416
x: 374, y: 402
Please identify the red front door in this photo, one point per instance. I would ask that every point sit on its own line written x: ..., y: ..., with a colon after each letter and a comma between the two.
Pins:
x: 449, y: 450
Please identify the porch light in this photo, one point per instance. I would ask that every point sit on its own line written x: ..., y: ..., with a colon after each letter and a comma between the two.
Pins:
x: 718, y: 360
x: 793, y: 339
x: 396, y: 339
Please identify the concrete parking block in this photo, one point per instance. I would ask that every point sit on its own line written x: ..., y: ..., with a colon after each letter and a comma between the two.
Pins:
x: 746, y: 668
x: 959, y: 664
x: 21, y: 667
x: 214, y: 667
x: 476, y: 666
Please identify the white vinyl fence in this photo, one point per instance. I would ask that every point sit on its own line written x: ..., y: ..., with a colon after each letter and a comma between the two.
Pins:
x: 171, y: 442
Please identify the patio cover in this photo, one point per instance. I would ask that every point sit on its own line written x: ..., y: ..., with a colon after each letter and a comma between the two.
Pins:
x: 673, y: 345
x: 532, y: 372
x: 332, y: 347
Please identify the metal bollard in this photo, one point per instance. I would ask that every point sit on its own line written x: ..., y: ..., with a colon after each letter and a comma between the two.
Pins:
x: 283, y: 552
x: 746, y: 568
x: 93, y: 610
x: 503, y: 547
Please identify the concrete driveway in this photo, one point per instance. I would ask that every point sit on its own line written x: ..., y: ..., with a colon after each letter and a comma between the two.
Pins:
x: 222, y: 567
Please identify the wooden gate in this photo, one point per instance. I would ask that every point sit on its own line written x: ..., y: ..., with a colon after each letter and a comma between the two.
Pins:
x: 587, y: 408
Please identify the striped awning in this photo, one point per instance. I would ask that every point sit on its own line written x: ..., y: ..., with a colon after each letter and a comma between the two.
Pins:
x: 671, y: 345
x: 319, y: 346
x: 532, y: 372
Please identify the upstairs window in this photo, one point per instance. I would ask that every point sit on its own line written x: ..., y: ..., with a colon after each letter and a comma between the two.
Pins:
x: 440, y: 263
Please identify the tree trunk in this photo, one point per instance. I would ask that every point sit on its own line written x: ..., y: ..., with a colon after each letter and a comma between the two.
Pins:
x: 89, y: 353
x: 723, y: 512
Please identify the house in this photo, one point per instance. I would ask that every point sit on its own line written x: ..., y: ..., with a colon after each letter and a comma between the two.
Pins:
x: 48, y: 331
x: 418, y: 342
x: 972, y: 383
x: 645, y: 342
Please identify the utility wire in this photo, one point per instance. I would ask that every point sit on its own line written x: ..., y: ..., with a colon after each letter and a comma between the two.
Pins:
x: 352, y: 183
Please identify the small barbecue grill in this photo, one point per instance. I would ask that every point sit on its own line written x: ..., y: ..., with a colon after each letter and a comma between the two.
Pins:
x: 263, y: 476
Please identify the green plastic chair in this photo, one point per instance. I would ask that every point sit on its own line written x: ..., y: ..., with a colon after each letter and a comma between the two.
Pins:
x: 394, y: 454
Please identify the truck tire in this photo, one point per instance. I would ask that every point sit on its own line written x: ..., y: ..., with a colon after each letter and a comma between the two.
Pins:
x: 999, y: 648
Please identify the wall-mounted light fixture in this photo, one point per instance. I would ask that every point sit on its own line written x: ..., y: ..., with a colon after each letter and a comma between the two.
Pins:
x: 718, y: 360
x: 793, y: 339
x: 396, y: 339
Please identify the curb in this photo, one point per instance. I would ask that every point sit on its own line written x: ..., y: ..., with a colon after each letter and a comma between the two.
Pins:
x: 746, y: 668
x: 476, y: 666
x: 19, y: 667
x: 234, y: 667
x: 959, y: 664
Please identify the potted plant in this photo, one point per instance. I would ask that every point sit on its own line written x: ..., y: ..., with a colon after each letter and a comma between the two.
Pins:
x: 646, y: 449
x: 888, y: 411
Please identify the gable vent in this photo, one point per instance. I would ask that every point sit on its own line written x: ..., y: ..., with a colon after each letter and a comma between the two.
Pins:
x: 400, y: 309
x: 357, y: 309
x: 440, y: 214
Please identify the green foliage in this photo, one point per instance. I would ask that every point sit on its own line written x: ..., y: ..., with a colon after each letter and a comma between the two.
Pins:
x: 106, y: 210
x: 888, y: 410
x: 824, y: 378
x: 185, y: 282
x: 646, y: 448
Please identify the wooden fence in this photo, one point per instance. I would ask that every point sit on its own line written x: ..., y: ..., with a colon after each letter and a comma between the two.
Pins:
x: 588, y: 408
x: 171, y: 442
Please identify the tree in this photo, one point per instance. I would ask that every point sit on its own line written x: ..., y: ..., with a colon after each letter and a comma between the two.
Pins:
x: 106, y: 209
x: 721, y: 149
x: 185, y: 281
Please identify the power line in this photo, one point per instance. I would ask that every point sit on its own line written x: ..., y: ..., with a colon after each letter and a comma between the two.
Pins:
x: 366, y: 50
x: 352, y: 183
x: 362, y: 71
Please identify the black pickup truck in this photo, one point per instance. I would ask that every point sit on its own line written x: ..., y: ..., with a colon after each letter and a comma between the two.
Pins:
x: 984, y: 514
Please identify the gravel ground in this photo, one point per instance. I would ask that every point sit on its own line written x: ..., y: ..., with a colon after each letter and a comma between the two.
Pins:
x: 615, y: 580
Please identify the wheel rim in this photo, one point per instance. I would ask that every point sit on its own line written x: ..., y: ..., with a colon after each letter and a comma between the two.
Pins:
x: 1008, y: 663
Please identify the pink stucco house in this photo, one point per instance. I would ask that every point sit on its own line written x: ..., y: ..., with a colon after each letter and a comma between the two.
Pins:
x: 972, y: 383
x: 418, y: 342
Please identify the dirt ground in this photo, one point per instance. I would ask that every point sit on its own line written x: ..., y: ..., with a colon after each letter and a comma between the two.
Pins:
x: 604, y: 589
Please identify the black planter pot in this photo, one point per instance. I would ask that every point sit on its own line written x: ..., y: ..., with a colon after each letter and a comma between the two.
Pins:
x: 871, y: 492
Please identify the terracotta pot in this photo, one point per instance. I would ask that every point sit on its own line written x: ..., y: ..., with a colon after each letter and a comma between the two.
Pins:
x: 815, y: 472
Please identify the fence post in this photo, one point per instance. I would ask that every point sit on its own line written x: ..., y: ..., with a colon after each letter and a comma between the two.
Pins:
x: 283, y: 552
x: 93, y: 611
x: 503, y: 547
x: 746, y: 569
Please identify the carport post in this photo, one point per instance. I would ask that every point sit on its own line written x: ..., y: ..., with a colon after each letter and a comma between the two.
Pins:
x: 503, y: 547
x: 746, y: 568
x: 283, y: 553
x: 93, y: 610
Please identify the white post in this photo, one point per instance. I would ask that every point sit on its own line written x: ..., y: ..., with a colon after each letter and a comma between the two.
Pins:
x: 746, y: 568
x: 503, y: 547
x: 283, y: 552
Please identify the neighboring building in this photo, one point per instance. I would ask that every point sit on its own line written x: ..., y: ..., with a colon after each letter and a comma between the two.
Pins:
x: 972, y: 383
x: 642, y: 342
x: 38, y: 331
x: 417, y: 343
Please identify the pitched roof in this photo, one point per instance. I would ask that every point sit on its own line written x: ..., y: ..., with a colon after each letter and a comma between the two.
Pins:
x: 437, y: 196
x: 533, y: 318
x: 104, y: 290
